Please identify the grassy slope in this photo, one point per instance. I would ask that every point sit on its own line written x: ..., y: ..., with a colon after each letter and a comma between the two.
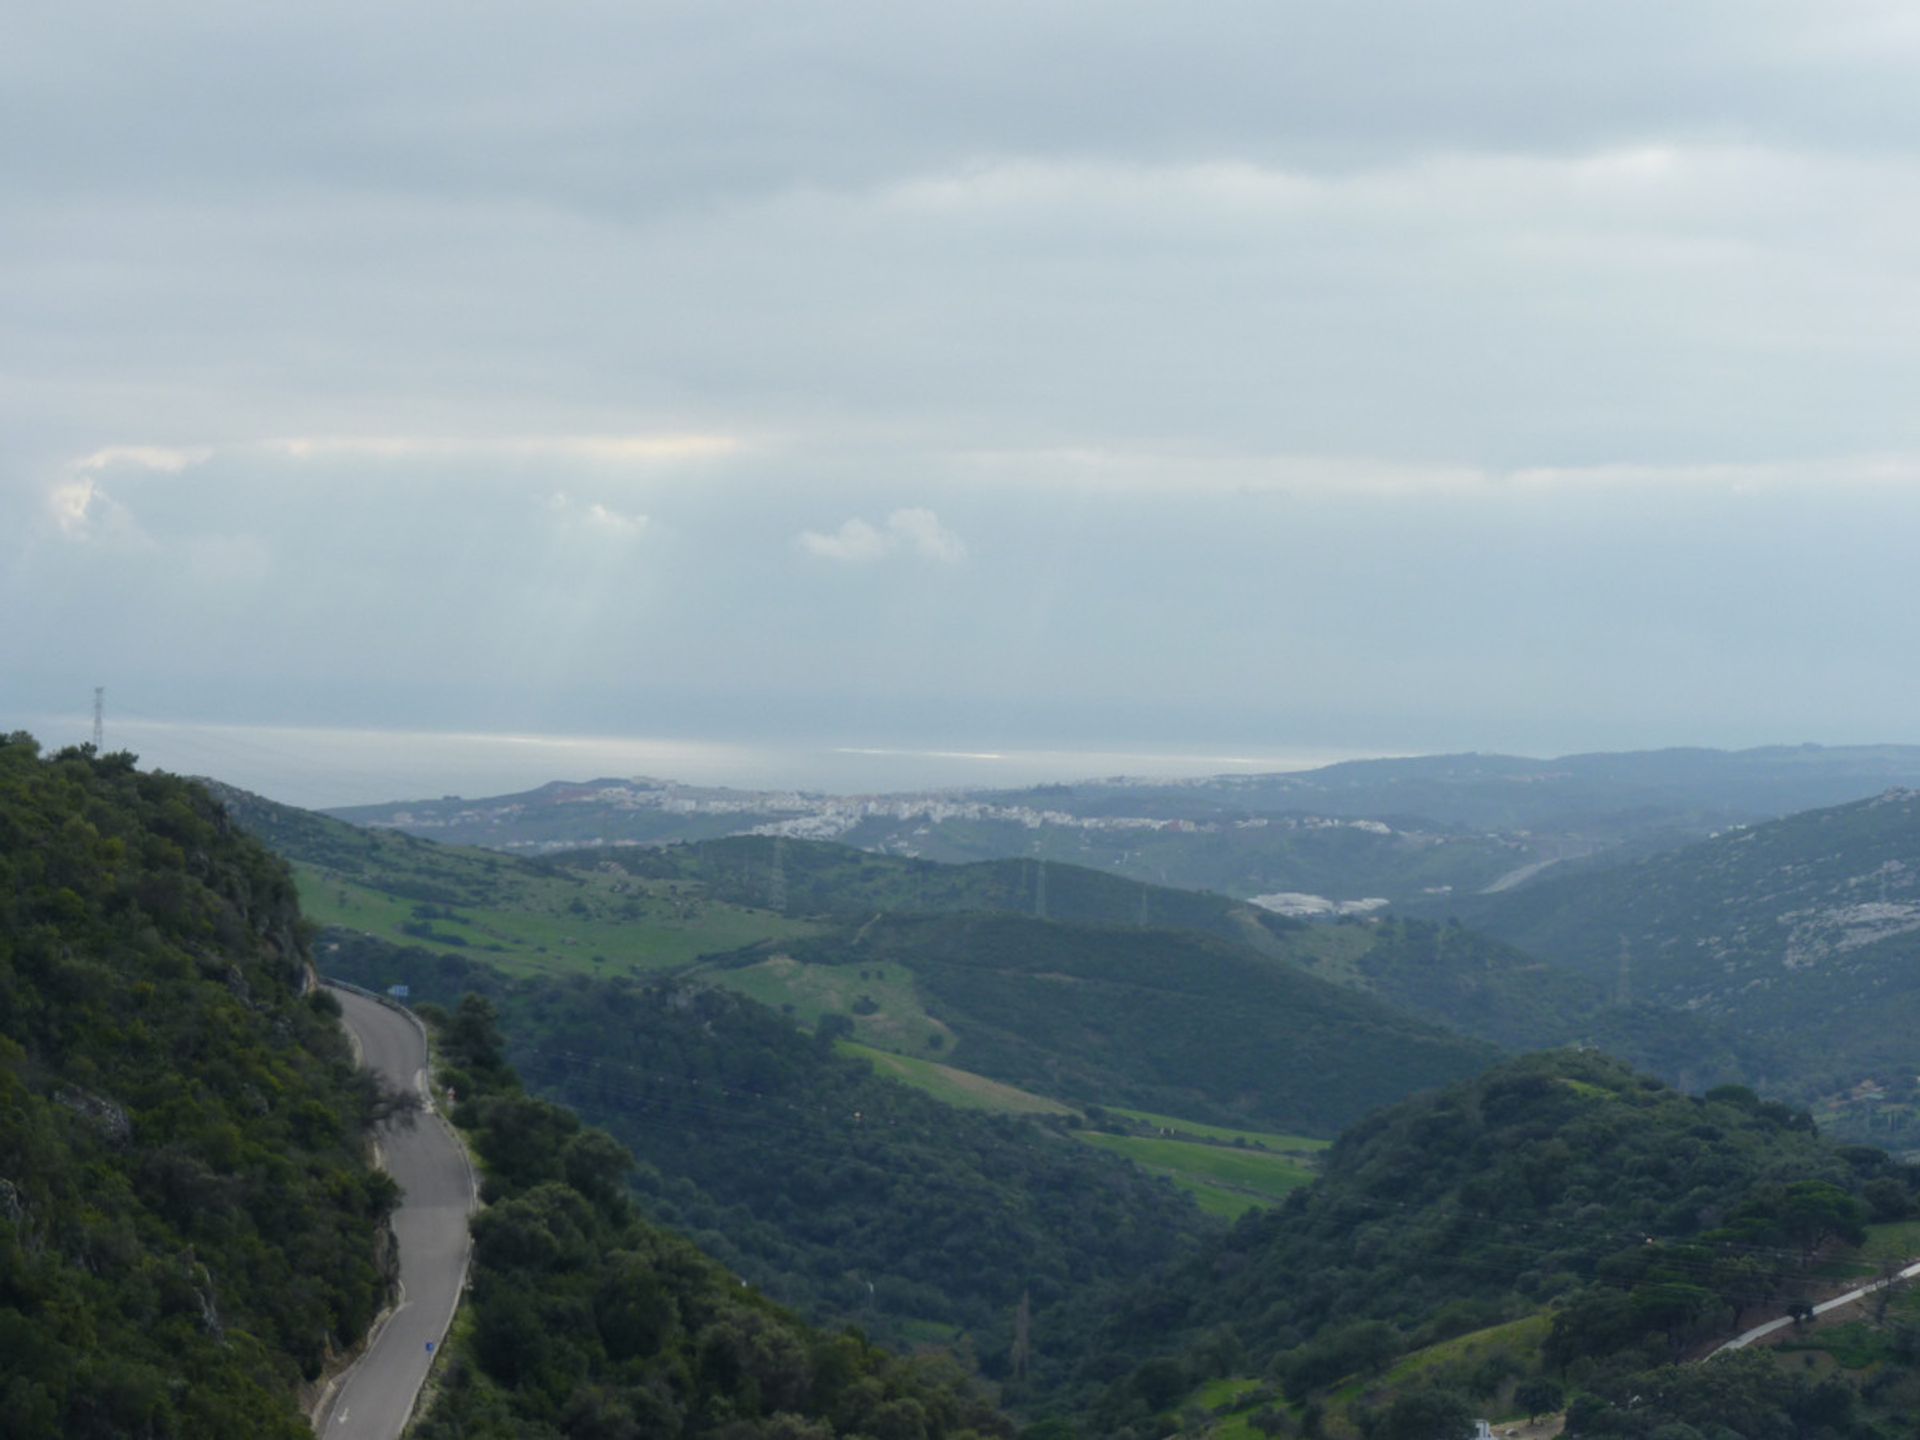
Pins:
x: 540, y: 922
x: 1442, y: 972
x: 1042, y: 976
x: 1224, y: 1180
x: 1167, y: 1021
x: 1230, y: 1404
x: 883, y: 1001
x: 1224, y: 1134
x: 958, y: 1088
x: 520, y: 915
x: 1227, y: 1171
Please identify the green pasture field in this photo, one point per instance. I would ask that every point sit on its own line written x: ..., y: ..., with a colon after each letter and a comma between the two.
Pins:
x: 1520, y: 1338
x: 959, y: 1088
x: 898, y: 1021
x: 521, y: 919
x: 1238, y: 1397
x: 1259, y: 1139
x: 1226, y: 1181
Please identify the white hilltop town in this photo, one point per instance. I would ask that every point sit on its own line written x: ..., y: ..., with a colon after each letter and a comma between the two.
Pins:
x: 806, y: 816
x: 896, y: 824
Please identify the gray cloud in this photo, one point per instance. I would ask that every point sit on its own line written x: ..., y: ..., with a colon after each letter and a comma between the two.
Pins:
x: 1469, y: 373
x: 914, y: 530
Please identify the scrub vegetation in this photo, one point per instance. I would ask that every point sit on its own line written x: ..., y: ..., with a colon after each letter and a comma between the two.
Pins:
x: 586, y: 1320
x: 188, y: 1226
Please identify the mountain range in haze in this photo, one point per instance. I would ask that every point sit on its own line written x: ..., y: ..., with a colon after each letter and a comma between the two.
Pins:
x: 1414, y: 832
x: 1006, y: 1106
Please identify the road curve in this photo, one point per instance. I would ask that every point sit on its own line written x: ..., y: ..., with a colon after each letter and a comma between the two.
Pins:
x: 374, y: 1399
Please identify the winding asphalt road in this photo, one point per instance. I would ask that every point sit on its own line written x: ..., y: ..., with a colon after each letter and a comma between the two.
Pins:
x: 374, y: 1399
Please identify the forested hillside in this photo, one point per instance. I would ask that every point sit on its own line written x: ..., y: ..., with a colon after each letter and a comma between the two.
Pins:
x: 1162, y: 1020
x: 1647, y: 1219
x: 1087, y: 987
x: 627, y: 910
x: 1600, y: 1223
x: 844, y: 1194
x: 188, y: 1229
x: 631, y: 910
x: 1803, y: 933
x: 1442, y: 972
x: 586, y: 1321
x: 1487, y: 988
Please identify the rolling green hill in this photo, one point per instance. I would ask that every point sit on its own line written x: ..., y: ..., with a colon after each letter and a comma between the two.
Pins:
x: 1440, y: 972
x: 1016, y: 987
x: 1639, y: 1220
x: 930, y: 961
x: 627, y: 910
x: 1162, y: 1020
x: 523, y: 915
x: 810, y: 877
x: 633, y: 909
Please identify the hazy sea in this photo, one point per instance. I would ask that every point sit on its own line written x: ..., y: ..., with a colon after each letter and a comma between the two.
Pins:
x: 319, y: 767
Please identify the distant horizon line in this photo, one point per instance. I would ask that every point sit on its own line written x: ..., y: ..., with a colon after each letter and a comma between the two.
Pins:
x: 347, y: 766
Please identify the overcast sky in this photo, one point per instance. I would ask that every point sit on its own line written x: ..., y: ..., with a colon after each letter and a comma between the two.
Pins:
x: 1305, y: 377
